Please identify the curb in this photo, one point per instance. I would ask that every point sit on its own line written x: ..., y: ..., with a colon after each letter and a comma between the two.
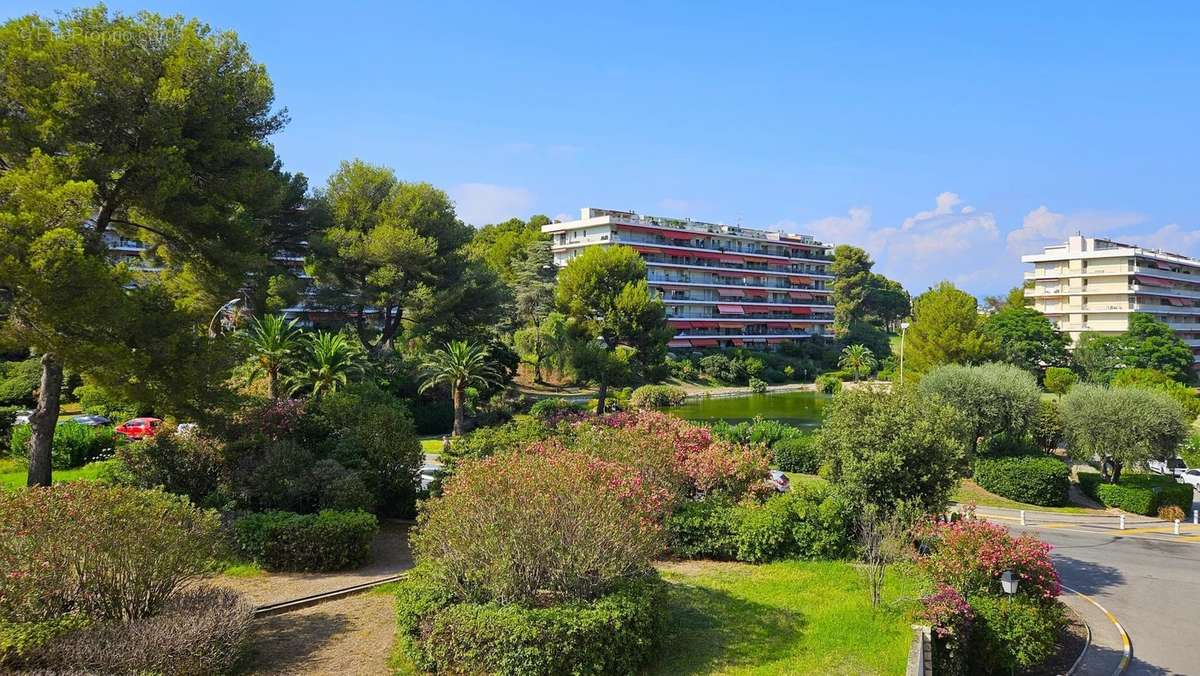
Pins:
x: 1087, y: 643
x: 1126, y: 643
x: 281, y: 607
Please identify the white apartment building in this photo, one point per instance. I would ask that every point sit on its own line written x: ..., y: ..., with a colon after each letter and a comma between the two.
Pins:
x: 1092, y: 284
x: 723, y: 285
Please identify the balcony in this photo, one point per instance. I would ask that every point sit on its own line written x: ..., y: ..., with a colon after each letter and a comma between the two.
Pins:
x: 706, y: 244
x: 727, y: 267
x: 706, y: 280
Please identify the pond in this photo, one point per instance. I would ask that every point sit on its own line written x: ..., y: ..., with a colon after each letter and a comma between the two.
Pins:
x: 802, y: 409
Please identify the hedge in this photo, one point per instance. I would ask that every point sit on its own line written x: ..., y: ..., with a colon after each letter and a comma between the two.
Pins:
x: 1138, y: 493
x: 702, y: 529
x: 329, y: 540
x: 657, y: 396
x: 74, y: 445
x: 614, y: 634
x: 549, y: 408
x: 799, y: 454
x: 1034, y: 480
x: 1012, y: 633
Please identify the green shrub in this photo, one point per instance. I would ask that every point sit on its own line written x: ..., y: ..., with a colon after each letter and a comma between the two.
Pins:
x: 1046, y: 429
x: 73, y: 445
x: 328, y: 540
x: 1190, y: 451
x: 546, y: 409
x: 20, y: 641
x: 797, y: 454
x: 761, y: 532
x: 1034, y: 480
x: 107, y: 552
x: 1012, y: 633
x: 614, y: 634
x: 1008, y: 445
x: 723, y: 368
x: 657, y: 396
x: 485, y: 442
x: 96, y: 400
x: 19, y: 380
x: 829, y: 383
x: 8, y: 417
x: 757, y: 431
x: 702, y: 529
x: 200, y: 631
x: 1137, y: 493
x: 187, y: 464
x: 758, y: 386
x: 754, y: 367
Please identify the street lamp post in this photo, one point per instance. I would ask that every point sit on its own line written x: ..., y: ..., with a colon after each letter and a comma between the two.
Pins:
x: 212, y: 323
x: 903, y: 329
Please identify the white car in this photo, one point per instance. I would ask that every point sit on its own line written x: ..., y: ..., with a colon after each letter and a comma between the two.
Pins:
x: 427, y: 474
x: 22, y: 417
x: 1172, y: 466
x: 779, y: 481
x: 1191, y: 478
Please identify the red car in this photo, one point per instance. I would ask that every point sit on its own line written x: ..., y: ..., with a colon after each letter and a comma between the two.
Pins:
x: 138, y: 428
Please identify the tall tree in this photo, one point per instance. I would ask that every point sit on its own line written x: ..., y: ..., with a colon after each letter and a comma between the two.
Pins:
x: 394, y: 253
x: 604, y: 293
x: 852, y: 282
x: 858, y: 360
x: 459, y: 365
x: 1027, y: 339
x: 272, y: 342
x: 1150, y: 344
x: 329, y: 361
x: 148, y: 126
x: 504, y: 247
x: 1098, y: 356
x: 945, y: 330
x: 1122, y: 426
x: 865, y: 304
x: 536, y: 276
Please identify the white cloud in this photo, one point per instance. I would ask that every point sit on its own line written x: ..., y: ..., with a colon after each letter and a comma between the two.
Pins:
x: 1172, y: 237
x: 1042, y: 227
x: 482, y: 203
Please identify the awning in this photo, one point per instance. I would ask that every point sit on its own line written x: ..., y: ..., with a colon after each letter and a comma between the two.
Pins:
x: 776, y: 341
x: 678, y: 324
x: 736, y: 293
x: 779, y: 325
x: 678, y: 235
x: 801, y: 311
x: 738, y: 342
x: 799, y: 325
x: 1175, y: 301
x: 756, y: 259
x: 679, y: 343
x: 800, y: 295
x: 1151, y: 281
x: 708, y: 256
x: 704, y: 343
x: 729, y: 259
x: 729, y: 325
x: 801, y: 280
x: 756, y: 293
x: 645, y: 249
x: 731, y: 309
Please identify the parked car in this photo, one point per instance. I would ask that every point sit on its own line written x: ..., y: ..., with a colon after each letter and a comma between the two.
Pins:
x: 187, y: 428
x: 22, y: 417
x: 138, y: 428
x: 1191, y: 478
x: 427, y: 474
x: 90, y: 420
x: 1171, y: 466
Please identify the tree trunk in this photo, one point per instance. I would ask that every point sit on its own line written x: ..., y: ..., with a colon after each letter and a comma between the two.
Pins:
x: 273, y: 384
x: 1116, y: 471
x: 43, y: 422
x: 602, y: 395
x: 457, y: 397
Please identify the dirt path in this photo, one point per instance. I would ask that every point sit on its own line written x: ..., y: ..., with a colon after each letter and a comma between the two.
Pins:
x: 391, y: 556
x: 349, y: 636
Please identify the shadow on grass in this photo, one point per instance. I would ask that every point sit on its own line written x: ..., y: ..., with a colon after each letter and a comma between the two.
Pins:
x: 284, y: 643
x: 709, y: 628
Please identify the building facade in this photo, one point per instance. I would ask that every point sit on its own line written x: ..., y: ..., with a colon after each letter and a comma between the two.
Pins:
x: 1092, y: 284
x: 723, y: 285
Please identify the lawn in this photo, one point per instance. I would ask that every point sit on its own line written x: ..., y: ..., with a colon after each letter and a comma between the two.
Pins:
x: 969, y: 491
x: 791, y: 617
x: 13, y: 473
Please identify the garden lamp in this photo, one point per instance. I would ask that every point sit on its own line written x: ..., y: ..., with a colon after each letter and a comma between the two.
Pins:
x: 1008, y: 582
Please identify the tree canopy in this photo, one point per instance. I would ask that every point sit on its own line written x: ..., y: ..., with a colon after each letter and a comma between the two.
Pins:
x: 866, y: 304
x: 992, y: 398
x: 945, y: 330
x: 1151, y: 344
x: 1025, y: 338
x: 1123, y: 426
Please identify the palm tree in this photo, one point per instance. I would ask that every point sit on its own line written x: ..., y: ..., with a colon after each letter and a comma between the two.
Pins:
x: 858, y: 360
x: 272, y: 342
x: 459, y: 365
x: 328, y: 363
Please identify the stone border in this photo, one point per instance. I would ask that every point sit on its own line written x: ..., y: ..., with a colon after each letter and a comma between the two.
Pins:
x: 920, y: 652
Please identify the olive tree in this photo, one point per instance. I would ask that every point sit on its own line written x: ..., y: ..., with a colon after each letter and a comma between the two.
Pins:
x: 888, y: 448
x: 1121, y: 426
x: 992, y: 398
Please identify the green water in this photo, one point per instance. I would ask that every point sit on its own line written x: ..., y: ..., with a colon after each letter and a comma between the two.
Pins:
x: 802, y: 409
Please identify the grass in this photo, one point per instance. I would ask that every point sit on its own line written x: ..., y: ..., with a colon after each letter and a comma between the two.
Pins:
x: 432, y: 445
x: 791, y: 617
x: 969, y: 491
x: 798, y: 479
x: 14, y: 475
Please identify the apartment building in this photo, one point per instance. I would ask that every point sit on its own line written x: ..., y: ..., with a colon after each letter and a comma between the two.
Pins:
x: 1092, y: 284
x: 723, y: 285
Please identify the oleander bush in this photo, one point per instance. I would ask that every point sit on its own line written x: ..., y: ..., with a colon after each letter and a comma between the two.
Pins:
x: 199, y: 631
x: 970, y: 555
x: 325, y: 541
x: 107, y: 552
x: 73, y: 446
x: 549, y: 409
x: 1012, y: 633
x: 657, y: 396
x: 615, y: 633
x: 1040, y: 480
x: 1137, y: 493
x: 798, y: 454
x: 187, y: 464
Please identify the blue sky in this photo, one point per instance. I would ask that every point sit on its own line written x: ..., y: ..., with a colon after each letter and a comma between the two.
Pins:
x: 946, y: 139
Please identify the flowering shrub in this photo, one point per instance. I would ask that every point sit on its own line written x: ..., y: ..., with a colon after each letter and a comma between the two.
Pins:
x: 970, y: 555
x: 110, y: 553
x: 540, y: 526
x: 950, y: 616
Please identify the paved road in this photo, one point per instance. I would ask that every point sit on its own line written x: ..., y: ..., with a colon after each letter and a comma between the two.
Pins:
x: 1152, y: 585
